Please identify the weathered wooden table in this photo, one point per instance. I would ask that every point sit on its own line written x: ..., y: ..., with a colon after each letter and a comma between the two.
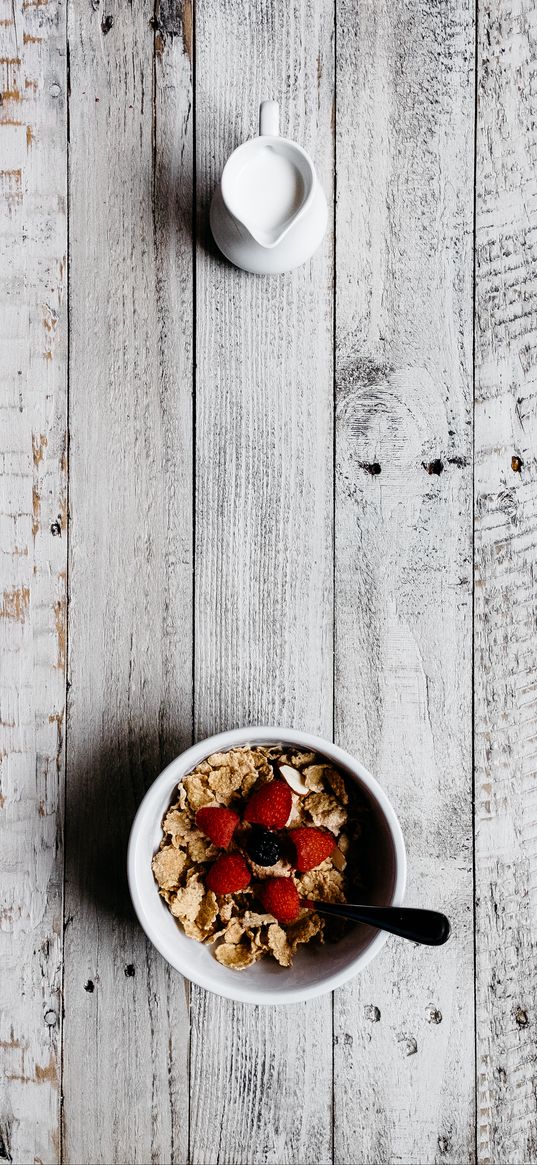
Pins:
x: 227, y: 500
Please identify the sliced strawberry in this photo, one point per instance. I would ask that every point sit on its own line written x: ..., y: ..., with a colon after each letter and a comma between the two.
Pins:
x: 218, y: 824
x: 311, y: 845
x: 270, y: 805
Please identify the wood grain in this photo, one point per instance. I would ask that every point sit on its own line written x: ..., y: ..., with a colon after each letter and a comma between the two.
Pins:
x: 261, y: 1079
x: 404, y: 1050
x: 243, y: 476
x: 505, y: 596
x: 33, y: 517
x: 126, y: 1013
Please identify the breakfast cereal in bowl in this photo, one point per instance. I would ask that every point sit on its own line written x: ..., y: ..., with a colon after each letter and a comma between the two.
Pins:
x: 253, y: 836
x: 232, y: 832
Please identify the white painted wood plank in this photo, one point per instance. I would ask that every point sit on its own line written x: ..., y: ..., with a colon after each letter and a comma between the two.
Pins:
x: 404, y: 1051
x: 261, y: 1079
x: 33, y: 514
x: 506, y: 562
x: 126, y: 1013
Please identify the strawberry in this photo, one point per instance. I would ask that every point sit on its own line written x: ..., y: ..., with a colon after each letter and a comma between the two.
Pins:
x: 217, y: 824
x: 270, y: 805
x: 280, y: 897
x: 312, y: 846
x: 228, y: 874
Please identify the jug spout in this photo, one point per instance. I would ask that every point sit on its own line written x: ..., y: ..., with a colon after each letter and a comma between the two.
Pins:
x: 267, y: 184
x: 269, y: 119
x: 266, y: 239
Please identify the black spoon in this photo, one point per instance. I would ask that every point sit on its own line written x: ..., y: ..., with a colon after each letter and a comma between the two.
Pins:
x: 420, y: 926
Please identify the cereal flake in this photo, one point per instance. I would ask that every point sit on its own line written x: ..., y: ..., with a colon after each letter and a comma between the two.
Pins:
x: 279, y: 945
x: 326, y: 812
x: 237, y: 957
x: 168, y: 865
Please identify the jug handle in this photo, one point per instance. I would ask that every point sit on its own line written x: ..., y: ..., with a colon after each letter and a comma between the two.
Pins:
x: 269, y: 119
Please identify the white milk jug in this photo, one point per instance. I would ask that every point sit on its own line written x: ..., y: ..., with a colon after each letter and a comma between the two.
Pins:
x: 268, y: 212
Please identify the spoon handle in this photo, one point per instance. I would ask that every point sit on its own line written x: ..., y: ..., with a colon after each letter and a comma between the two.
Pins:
x: 420, y: 926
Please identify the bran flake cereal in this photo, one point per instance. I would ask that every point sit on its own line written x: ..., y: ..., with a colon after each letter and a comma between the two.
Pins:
x: 240, y: 931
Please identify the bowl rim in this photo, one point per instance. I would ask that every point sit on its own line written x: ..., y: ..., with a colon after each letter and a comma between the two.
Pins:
x: 179, y: 767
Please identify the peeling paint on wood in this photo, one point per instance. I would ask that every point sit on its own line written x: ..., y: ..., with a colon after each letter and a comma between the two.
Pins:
x: 505, y: 574
x: 60, y: 625
x: 39, y: 445
x: 36, y: 510
x: 263, y: 542
x: 32, y: 242
x: 15, y: 604
x: 404, y: 1086
x: 187, y: 28
x: 130, y: 656
x: 170, y: 16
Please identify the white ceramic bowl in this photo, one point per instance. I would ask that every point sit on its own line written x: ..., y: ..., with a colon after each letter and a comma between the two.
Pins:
x: 314, y: 971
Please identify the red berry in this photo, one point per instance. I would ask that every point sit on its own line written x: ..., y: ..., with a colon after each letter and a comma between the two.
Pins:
x: 312, y: 846
x: 217, y: 824
x: 280, y: 897
x: 228, y: 874
x: 270, y: 805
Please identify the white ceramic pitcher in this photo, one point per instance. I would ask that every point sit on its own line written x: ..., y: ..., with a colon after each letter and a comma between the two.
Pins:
x: 268, y: 213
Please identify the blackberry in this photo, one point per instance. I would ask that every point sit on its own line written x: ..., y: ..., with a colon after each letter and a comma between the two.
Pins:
x: 263, y: 847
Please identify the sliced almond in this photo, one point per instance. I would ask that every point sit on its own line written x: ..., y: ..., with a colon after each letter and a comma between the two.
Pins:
x: 294, y: 779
